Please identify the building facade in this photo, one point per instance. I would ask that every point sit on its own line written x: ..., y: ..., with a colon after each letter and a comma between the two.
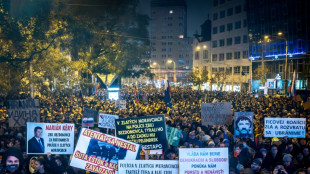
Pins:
x: 171, y: 50
x: 279, y: 40
x: 225, y: 56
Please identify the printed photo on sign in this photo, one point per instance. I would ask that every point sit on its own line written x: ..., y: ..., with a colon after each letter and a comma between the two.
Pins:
x: 107, y: 120
x: 243, y: 125
x: 216, y: 113
x: 88, y: 122
x: 50, y: 137
x: 173, y: 135
x: 281, y: 127
x: 150, y: 131
x: 98, y: 152
x: 148, y: 166
x: 22, y: 111
x: 203, y: 160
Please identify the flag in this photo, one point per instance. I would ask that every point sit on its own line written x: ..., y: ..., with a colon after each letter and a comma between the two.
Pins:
x: 168, y: 95
x: 292, y: 88
x: 81, y: 96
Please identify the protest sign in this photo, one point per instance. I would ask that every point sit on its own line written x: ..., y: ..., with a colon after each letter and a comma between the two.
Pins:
x: 98, y: 152
x: 145, y: 99
x: 203, y: 160
x: 90, y: 113
x: 107, y: 121
x: 88, y: 122
x: 150, y: 131
x: 281, y: 127
x: 173, y: 135
x: 216, y: 113
x: 22, y: 111
x: 148, y: 166
x: 120, y: 104
x: 50, y: 137
x: 243, y: 125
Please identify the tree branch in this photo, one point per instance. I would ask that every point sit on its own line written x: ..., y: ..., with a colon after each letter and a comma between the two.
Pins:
x: 30, y: 58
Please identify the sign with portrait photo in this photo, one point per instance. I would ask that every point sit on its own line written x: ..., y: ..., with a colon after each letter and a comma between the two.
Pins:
x: 98, y: 152
x: 243, y: 125
x: 50, y: 137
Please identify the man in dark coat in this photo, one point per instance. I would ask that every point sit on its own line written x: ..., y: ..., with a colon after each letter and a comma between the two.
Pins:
x: 36, y: 143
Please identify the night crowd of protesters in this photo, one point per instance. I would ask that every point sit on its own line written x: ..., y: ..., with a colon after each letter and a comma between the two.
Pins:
x: 256, y: 155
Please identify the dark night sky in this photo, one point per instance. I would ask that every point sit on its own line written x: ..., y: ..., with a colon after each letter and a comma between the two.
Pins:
x: 197, y: 13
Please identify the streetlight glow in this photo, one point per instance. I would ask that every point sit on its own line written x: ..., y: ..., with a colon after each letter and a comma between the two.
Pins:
x: 280, y: 33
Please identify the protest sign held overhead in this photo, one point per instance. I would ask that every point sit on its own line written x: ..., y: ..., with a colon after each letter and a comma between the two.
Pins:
x: 173, y: 135
x: 203, y: 160
x: 98, y: 152
x: 216, y: 113
x: 281, y: 127
x: 90, y: 113
x: 120, y: 104
x: 50, y: 137
x: 148, y: 166
x: 22, y: 111
x: 87, y: 122
x: 107, y: 121
x: 243, y: 125
x: 150, y: 131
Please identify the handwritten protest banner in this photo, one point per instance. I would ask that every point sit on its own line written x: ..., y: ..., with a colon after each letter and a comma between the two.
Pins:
x: 148, y: 166
x: 243, y: 125
x: 22, y: 111
x: 98, y: 152
x: 203, y: 160
x: 120, y: 104
x: 281, y: 127
x: 216, y: 113
x: 90, y: 113
x: 150, y: 131
x: 107, y: 121
x: 173, y: 135
x: 50, y: 137
x: 87, y: 122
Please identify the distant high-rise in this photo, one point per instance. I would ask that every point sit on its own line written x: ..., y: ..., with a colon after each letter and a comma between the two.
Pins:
x: 225, y: 56
x: 169, y: 42
x: 292, y: 19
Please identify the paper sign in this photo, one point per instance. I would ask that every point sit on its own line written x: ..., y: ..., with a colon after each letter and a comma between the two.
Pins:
x: 216, y: 113
x: 281, y: 127
x: 50, y: 137
x: 107, y: 121
x: 148, y: 166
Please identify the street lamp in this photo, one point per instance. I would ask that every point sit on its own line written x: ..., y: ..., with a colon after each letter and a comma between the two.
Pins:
x: 154, y: 63
x: 174, y: 75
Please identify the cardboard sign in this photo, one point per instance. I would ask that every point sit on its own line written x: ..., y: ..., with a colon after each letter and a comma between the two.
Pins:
x: 50, y: 137
x: 120, y: 104
x: 203, y: 160
x: 90, y: 113
x: 98, y: 152
x: 243, y: 125
x: 88, y: 122
x: 22, y: 111
x: 173, y: 135
x: 107, y: 120
x: 281, y: 127
x: 148, y: 166
x: 150, y: 131
x: 216, y: 113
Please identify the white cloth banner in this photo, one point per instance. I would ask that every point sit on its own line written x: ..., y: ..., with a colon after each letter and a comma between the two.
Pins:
x: 203, y: 160
x: 50, y: 137
x: 148, y: 166
x: 281, y: 127
x: 107, y: 120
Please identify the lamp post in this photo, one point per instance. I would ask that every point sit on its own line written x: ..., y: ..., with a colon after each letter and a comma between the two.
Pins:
x: 174, y: 75
x: 154, y: 63
x: 280, y: 36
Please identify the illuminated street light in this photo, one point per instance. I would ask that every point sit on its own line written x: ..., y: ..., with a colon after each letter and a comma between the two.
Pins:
x: 174, y: 75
